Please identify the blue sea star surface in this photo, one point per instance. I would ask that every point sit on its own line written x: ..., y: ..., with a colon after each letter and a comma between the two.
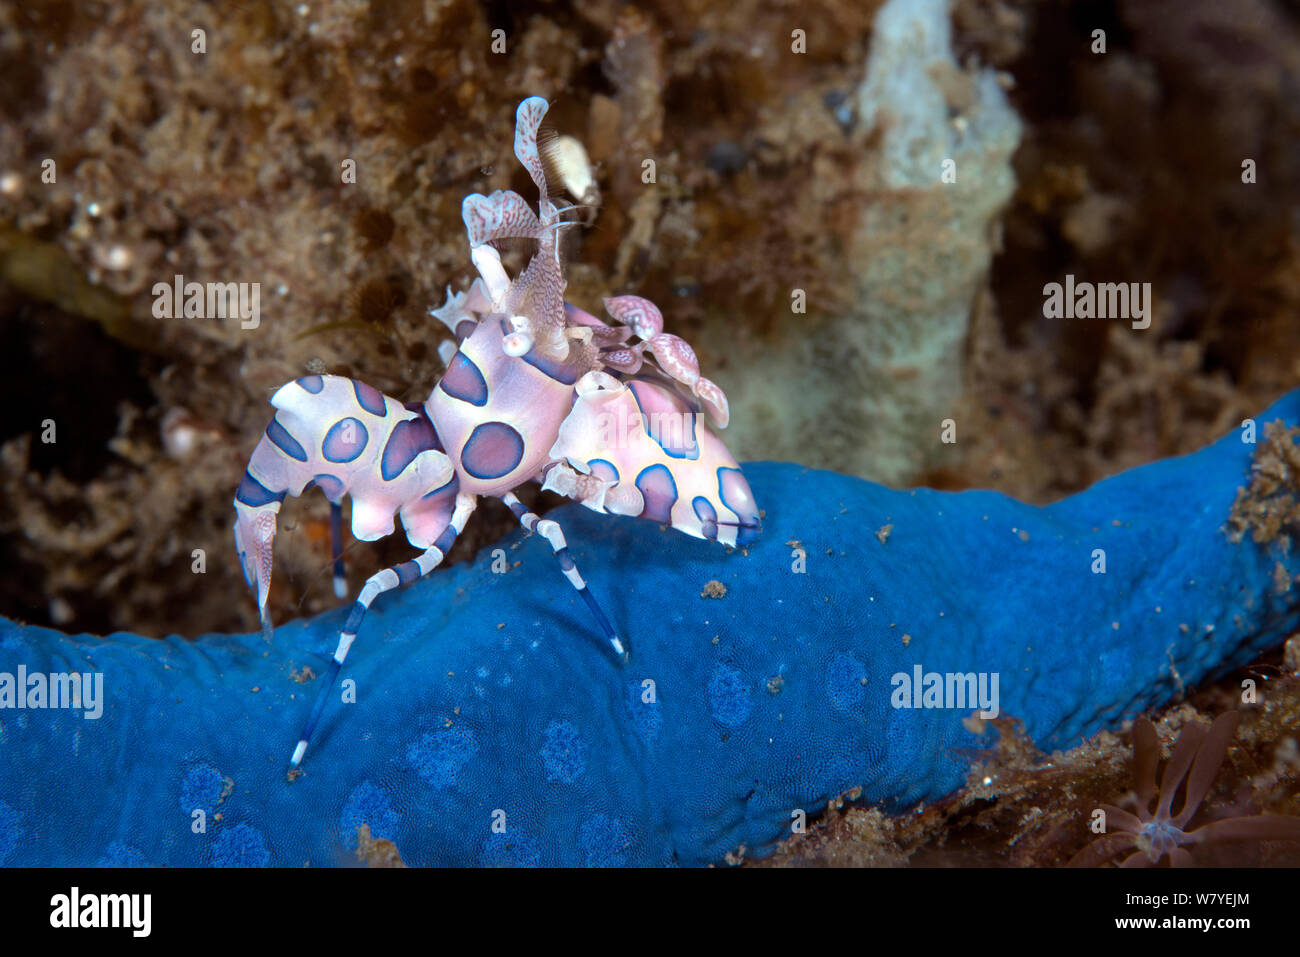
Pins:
x: 490, y: 725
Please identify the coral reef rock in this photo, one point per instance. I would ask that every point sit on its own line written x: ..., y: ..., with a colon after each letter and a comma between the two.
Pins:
x: 879, y: 379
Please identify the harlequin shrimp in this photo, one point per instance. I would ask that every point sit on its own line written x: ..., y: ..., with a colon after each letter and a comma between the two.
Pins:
x: 616, y: 417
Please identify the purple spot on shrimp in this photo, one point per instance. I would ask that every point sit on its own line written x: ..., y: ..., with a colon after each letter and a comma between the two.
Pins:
x: 446, y: 491
x: 667, y: 418
x: 408, y: 440
x: 432, y: 439
x: 603, y: 470
x: 369, y: 398
x: 312, y: 383
x: 344, y: 441
x: 493, y: 450
x: 707, y: 515
x: 253, y: 493
x: 556, y: 369
x: 464, y: 381
x: 285, y: 442
x: 659, y: 491
x: 736, y: 495
x: 331, y: 485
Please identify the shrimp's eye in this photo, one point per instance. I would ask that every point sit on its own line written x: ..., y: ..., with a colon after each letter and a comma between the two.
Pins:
x: 516, y: 344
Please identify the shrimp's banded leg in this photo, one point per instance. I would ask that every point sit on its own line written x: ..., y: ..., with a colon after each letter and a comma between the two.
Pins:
x: 552, y: 532
x: 336, y: 550
x: 376, y: 585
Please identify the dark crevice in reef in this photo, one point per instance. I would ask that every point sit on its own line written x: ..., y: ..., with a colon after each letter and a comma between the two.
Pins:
x: 1130, y: 170
x: 65, y: 369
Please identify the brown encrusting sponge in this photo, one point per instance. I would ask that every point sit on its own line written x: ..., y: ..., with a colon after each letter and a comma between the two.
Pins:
x: 1269, y: 507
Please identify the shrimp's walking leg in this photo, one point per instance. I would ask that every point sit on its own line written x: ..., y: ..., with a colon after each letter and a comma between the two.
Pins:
x: 375, y: 586
x: 555, y: 535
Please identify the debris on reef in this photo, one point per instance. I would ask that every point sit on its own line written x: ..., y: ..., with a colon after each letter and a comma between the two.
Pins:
x: 376, y: 851
x: 713, y: 589
x: 1269, y: 507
